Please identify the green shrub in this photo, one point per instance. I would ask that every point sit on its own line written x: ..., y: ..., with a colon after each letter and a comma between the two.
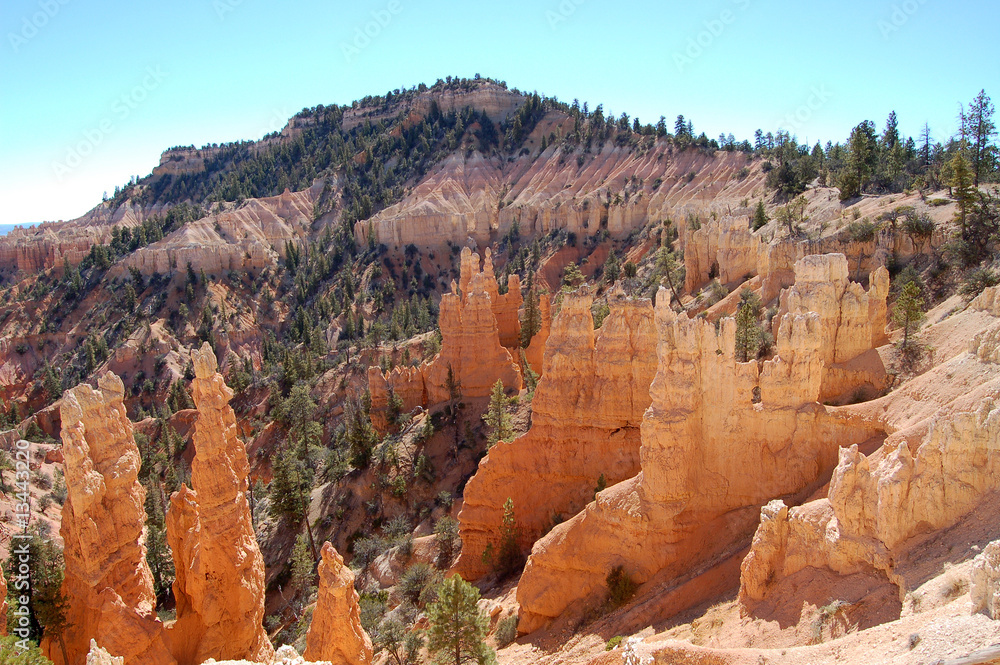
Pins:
x: 413, y: 582
x: 506, y: 631
x: 977, y: 281
x: 621, y: 587
x: 10, y: 654
x: 613, y: 642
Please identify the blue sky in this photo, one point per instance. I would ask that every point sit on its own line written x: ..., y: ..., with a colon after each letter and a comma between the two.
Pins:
x: 91, y: 93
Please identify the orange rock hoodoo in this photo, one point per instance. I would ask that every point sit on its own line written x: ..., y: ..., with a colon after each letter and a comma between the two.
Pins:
x: 335, y: 634
x: 720, y: 439
x: 585, y: 424
x: 220, y: 570
x: 108, y: 582
x: 470, y: 345
x: 852, y: 322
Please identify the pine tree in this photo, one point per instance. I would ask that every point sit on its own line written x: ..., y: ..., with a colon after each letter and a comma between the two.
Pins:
x: 158, y: 556
x: 531, y: 322
x: 748, y: 330
x: 290, y: 486
x: 669, y: 269
x: 962, y: 189
x: 302, y: 566
x: 505, y: 557
x: 979, y: 131
x: 457, y: 631
x: 908, y: 313
x: 862, y: 158
x: 498, y: 421
x: 759, y: 215
x: 612, y: 268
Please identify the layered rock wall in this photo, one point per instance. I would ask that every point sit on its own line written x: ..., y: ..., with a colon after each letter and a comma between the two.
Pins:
x: 720, y: 439
x: 985, y: 590
x: 471, y: 347
x: 878, y: 504
x: 585, y: 426
x: 852, y: 322
x: 615, y: 188
x: 335, y: 634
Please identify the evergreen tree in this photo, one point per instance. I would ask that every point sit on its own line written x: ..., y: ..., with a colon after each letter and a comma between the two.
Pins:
x: 158, y: 556
x: 908, y: 313
x: 531, y: 322
x: 457, y: 631
x: 680, y: 127
x: 290, y: 486
x: 302, y: 566
x: 979, y: 130
x: 669, y: 270
x: 447, y: 540
x: 572, y: 277
x: 759, y: 215
x: 748, y: 330
x: 925, y: 146
x: 498, y: 421
x: 962, y: 189
x: 862, y: 158
x: 612, y: 268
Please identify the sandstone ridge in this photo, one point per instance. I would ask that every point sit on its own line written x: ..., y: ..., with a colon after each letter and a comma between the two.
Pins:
x: 585, y: 426
x: 720, y: 439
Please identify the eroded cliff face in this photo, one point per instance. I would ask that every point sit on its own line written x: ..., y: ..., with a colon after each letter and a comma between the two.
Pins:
x: 585, y: 425
x: 471, y: 347
x: 878, y: 504
x: 335, y: 634
x: 249, y: 238
x: 985, y: 590
x: 220, y: 570
x: 476, y: 196
x: 720, y: 439
x: 108, y: 582
x: 852, y: 322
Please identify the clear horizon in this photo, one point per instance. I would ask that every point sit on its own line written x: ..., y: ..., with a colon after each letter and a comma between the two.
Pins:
x: 99, y: 94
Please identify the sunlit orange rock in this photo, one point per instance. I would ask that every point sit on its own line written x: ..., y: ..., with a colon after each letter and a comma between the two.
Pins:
x: 107, y: 583
x: 335, y: 634
x: 720, y: 439
x: 585, y: 427
x: 220, y: 571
